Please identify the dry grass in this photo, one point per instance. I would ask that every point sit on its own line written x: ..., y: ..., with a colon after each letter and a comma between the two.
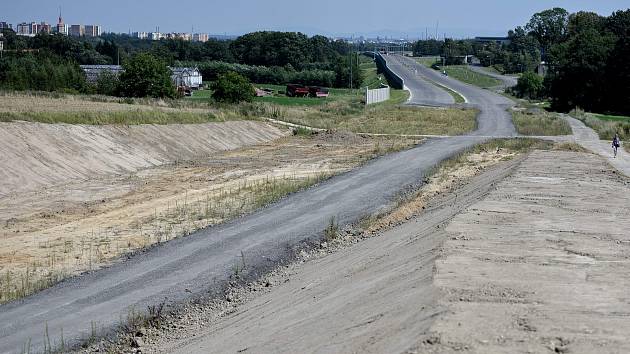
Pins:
x: 85, y: 230
x: 386, y: 119
x: 540, y: 123
x: 605, y: 126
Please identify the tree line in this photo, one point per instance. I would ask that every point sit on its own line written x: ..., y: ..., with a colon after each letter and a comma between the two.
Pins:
x: 584, y: 56
x: 262, y: 57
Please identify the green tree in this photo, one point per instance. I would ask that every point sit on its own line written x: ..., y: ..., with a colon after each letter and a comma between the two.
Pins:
x: 529, y: 85
x: 146, y: 76
x: 107, y: 84
x: 549, y: 27
x: 233, y: 88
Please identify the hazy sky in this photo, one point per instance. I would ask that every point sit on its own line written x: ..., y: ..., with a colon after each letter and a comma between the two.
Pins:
x: 330, y: 17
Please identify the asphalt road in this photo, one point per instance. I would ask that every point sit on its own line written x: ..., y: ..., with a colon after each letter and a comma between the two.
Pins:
x: 203, y: 261
x: 423, y: 92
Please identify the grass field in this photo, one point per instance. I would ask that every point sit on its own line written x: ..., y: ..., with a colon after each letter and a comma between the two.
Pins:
x: 121, y: 117
x: 462, y: 73
x: 540, y: 123
x: 427, y: 61
x: 387, y: 118
x: 371, y: 79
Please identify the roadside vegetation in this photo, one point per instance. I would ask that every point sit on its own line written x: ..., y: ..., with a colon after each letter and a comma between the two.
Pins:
x: 169, y: 202
x: 384, y: 118
x: 605, y: 125
x: 462, y: 73
x: 130, y: 117
x: 540, y: 123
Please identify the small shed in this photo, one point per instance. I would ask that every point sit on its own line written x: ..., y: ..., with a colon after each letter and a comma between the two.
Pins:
x: 92, y: 72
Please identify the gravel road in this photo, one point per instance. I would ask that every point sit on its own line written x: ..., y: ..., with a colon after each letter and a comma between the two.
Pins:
x: 204, y: 260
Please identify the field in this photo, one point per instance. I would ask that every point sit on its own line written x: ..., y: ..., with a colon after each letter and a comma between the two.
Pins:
x: 539, y: 122
x: 462, y: 73
x: 98, y: 186
x: 387, y: 119
x: 427, y: 61
x: 81, y: 224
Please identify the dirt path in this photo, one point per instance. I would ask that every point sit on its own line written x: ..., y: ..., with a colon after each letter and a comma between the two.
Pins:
x: 374, y: 297
x: 541, y: 264
x: 524, y: 266
x: 589, y: 139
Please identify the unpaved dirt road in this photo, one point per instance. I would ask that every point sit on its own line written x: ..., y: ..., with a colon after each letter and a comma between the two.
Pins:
x: 541, y: 264
x: 535, y: 260
x: 191, y: 266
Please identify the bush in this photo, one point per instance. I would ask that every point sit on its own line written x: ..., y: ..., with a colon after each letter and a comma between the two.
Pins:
x: 529, y: 85
x: 233, y: 88
x: 145, y: 75
x: 41, y: 72
x: 107, y: 84
x: 267, y: 75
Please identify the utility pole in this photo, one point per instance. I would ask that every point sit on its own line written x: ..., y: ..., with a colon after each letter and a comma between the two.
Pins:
x: 351, y: 70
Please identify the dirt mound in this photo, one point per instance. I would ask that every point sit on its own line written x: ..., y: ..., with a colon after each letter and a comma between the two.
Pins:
x: 35, y: 155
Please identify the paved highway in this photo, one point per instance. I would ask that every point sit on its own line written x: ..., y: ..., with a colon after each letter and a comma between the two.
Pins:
x: 203, y: 261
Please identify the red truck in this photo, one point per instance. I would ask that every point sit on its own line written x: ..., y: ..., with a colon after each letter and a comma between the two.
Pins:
x: 295, y: 90
x: 318, y: 92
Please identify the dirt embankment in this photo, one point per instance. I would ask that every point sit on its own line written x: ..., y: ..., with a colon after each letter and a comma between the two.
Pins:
x: 535, y: 262
x: 35, y: 155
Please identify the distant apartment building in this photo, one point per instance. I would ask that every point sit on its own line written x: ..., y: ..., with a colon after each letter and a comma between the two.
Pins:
x: 44, y: 28
x: 33, y: 28
x: 23, y: 29
x: 92, y: 31
x: 200, y: 37
x: 140, y: 35
x: 4, y: 25
x: 182, y: 36
x: 155, y: 36
x: 77, y: 31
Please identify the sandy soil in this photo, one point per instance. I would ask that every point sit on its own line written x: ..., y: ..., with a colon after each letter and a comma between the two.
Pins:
x: 36, y: 155
x: 535, y: 262
x: 49, y: 233
x: 541, y: 264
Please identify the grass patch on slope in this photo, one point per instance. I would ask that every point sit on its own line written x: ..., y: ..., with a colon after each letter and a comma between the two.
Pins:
x: 462, y: 73
x: 121, y: 117
x: 540, y: 123
x: 387, y: 118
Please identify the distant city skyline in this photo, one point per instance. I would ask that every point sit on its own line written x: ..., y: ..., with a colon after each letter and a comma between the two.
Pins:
x: 332, y: 18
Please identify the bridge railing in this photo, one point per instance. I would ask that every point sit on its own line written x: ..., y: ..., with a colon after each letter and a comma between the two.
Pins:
x: 381, y: 63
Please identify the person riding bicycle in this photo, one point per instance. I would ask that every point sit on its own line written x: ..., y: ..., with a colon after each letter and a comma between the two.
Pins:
x: 615, y: 144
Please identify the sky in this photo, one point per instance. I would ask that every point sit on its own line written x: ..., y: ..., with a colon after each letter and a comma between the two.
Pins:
x: 394, y: 18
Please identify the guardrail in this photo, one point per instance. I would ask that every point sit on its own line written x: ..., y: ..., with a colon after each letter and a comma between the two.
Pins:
x: 393, y: 79
x: 376, y: 95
